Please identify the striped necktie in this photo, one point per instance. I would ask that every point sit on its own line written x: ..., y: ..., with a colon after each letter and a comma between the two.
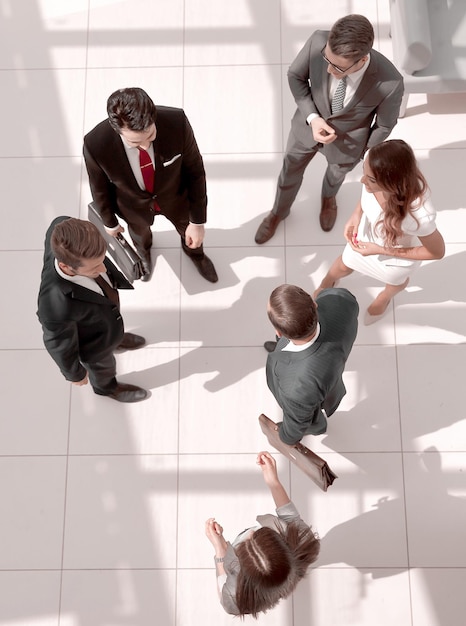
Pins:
x: 339, y: 95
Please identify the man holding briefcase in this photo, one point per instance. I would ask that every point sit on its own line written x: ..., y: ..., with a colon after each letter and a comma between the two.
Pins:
x: 144, y: 161
x: 305, y: 367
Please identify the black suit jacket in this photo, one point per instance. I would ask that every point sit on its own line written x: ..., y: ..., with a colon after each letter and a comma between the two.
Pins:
x: 78, y: 324
x: 180, y: 185
x: 306, y: 382
x: 365, y: 121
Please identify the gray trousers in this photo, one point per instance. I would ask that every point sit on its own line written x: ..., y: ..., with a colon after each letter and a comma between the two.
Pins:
x: 297, y: 158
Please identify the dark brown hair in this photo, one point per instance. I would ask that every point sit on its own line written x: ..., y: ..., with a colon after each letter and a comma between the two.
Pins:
x: 395, y: 170
x: 351, y: 37
x: 292, y: 312
x: 74, y: 240
x: 272, y: 562
x: 130, y: 108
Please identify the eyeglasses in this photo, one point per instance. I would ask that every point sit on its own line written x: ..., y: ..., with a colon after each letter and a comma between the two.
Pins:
x: 335, y: 67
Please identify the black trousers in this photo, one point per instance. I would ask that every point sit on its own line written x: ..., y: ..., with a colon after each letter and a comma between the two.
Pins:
x: 102, y: 374
x: 142, y: 237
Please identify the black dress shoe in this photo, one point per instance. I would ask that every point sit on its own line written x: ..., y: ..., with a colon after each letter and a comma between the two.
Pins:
x: 128, y: 393
x: 131, y: 342
x: 205, y: 268
x: 147, y: 266
x: 270, y: 346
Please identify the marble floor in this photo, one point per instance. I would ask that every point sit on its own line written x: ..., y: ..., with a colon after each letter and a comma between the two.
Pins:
x: 102, y: 505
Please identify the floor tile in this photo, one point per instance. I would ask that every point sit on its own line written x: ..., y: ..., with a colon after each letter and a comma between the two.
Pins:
x: 437, y: 596
x: 44, y: 34
x: 118, y: 509
x: 136, y: 33
x: 142, y: 597
x: 30, y: 598
x: 52, y: 127
x: 35, y: 408
x: 21, y: 328
x: 31, y: 510
x: 241, y: 125
x: 343, y: 596
x: 214, y: 379
x: 103, y: 426
x: 432, y: 308
x: 431, y: 399
x: 241, y: 190
x: 222, y: 34
x: 435, y: 498
x: 53, y: 189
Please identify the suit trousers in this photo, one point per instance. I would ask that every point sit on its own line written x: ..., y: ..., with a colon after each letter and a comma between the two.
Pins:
x: 142, y: 237
x: 102, y: 374
x: 297, y: 158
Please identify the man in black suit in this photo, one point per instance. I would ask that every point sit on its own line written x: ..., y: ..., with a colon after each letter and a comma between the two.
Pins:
x: 144, y: 161
x: 79, y: 309
x: 348, y: 97
x: 305, y: 367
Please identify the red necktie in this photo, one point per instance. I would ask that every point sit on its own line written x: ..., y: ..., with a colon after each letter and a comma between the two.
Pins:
x: 147, y: 170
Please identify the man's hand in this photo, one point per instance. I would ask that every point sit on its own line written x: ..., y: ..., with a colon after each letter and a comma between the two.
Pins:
x: 322, y: 132
x: 80, y: 383
x: 194, y: 235
x: 114, y: 232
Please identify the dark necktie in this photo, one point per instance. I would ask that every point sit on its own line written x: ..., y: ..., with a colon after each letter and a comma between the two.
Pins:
x: 147, y: 170
x: 109, y: 292
x: 339, y: 95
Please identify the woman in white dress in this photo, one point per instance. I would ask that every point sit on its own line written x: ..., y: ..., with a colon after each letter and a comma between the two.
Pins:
x: 392, y: 228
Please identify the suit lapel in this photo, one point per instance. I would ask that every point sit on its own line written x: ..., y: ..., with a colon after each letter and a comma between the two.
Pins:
x: 367, y: 82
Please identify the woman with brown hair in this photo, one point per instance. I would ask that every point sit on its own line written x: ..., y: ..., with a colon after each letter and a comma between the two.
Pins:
x: 393, y: 227
x: 264, y: 563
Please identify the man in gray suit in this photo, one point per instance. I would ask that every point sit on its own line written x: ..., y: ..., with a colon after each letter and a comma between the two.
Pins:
x: 305, y: 367
x: 348, y: 98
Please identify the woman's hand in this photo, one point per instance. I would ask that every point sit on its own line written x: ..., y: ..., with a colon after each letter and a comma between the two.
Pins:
x: 351, y: 227
x: 214, y: 533
x: 268, y: 466
x: 366, y: 248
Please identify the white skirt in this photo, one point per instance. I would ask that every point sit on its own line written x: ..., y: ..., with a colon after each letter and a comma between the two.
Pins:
x: 388, y: 269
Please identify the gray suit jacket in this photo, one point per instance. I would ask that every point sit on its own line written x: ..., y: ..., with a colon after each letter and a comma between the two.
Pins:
x: 306, y: 382
x: 365, y: 121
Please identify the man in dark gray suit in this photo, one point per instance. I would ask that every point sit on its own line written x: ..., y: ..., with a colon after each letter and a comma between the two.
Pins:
x: 348, y: 98
x: 305, y: 367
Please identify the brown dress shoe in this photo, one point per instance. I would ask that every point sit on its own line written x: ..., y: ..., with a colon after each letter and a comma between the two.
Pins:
x: 328, y: 213
x: 267, y: 228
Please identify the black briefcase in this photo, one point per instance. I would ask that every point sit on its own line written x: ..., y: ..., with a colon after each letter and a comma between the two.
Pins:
x: 308, y: 461
x: 122, y: 253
